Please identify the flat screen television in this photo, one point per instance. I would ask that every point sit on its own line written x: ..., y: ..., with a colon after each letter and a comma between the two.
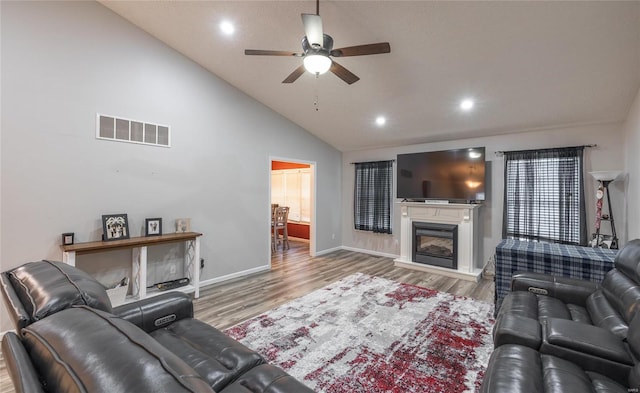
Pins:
x: 454, y: 175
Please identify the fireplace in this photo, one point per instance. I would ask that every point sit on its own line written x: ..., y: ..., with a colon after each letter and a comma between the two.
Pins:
x: 435, y: 244
x: 468, y: 248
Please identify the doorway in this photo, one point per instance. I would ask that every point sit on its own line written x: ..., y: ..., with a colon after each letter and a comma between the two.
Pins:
x: 292, y: 183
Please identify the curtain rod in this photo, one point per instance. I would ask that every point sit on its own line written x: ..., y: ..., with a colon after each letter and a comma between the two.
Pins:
x: 501, y: 153
x: 366, y: 162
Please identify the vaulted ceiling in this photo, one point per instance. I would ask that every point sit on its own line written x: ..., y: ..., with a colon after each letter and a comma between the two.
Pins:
x: 527, y: 65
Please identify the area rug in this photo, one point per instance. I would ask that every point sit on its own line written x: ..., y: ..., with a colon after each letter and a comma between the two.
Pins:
x: 369, y: 334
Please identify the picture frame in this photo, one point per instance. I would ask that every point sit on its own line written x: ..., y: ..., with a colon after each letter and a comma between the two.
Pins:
x: 183, y: 225
x: 115, y: 227
x: 153, y: 226
x: 67, y: 238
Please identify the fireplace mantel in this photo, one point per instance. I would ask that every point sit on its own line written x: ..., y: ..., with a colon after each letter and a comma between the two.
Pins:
x: 462, y: 214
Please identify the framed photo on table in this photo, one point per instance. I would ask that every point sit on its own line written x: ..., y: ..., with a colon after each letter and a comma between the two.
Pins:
x: 67, y: 238
x: 183, y: 225
x: 153, y: 227
x: 115, y: 227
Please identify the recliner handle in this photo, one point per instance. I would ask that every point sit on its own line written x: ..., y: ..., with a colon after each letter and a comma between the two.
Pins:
x: 538, y: 291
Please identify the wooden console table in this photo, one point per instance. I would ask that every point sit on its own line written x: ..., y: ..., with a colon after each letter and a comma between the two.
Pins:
x: 139, y: 245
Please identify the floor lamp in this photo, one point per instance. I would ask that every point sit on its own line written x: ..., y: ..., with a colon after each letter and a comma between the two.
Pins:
x: 605, y: 178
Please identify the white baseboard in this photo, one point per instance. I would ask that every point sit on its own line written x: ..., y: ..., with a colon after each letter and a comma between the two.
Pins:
x: 370, y: 252
x: 475, y: 276
x: 327, y: 251
x: 232, y: 276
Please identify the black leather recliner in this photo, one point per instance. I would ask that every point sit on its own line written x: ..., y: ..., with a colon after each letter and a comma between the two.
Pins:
x: 571, y: 323
x: 36, y: 290
x: 71, y: 340
x: 610, y: 305
x: 515, y: 368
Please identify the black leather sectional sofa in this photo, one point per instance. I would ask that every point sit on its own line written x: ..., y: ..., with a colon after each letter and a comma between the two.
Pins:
x: 554, y: 334
x: 70, y: 339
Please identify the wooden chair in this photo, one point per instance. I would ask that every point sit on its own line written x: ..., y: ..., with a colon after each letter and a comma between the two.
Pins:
x: 274, y: 207
x: 279, y: 222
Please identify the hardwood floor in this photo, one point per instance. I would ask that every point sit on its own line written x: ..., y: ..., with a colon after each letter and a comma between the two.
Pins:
x: 295, y: 274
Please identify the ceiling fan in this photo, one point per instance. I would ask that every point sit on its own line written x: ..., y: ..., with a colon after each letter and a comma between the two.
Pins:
x: 317, y: 50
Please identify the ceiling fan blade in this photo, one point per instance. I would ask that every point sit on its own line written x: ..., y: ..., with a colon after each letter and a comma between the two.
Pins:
x: 294, y: 75
x: 360, y: 50
x: 343, y: 73
x: 259, y: 52
x: 313, y: 29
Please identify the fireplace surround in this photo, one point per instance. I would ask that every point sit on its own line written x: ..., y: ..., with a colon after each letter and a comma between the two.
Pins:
x: 462, y: 216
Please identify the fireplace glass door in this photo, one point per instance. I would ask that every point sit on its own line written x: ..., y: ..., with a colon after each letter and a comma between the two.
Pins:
x: 435, y: 244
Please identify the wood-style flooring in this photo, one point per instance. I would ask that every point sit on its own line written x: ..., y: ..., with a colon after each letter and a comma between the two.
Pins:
x: 294, y: 273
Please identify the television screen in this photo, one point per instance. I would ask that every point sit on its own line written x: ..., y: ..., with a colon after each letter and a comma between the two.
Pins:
x: 445, y: 175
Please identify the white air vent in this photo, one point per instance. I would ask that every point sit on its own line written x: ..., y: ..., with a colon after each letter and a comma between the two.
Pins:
x: 126, y: 130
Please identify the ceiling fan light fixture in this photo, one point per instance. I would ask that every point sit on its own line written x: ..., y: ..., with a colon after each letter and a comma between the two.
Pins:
x: 317, y: 63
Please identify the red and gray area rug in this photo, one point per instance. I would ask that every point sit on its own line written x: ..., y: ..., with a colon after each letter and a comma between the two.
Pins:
x: 369, y: 334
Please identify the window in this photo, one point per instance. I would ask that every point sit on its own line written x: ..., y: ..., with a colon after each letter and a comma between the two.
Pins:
x: 372, y: 196
x: 292, y: 188
x: 544, y: 197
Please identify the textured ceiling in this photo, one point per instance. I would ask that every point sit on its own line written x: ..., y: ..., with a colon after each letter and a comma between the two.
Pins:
x: 529, y: 65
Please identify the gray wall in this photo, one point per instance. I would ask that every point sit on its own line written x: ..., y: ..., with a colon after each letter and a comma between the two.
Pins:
x: 64, y: 61
x: 631, y: 130
x: 608, y: 155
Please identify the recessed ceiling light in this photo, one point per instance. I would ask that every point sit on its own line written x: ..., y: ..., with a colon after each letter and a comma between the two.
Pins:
x: 467, y: 104
x: 381, y: 120
x: 227, y: 27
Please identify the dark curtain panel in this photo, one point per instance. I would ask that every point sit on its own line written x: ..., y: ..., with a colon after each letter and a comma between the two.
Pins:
x: 372, y: 196
x: 544, y: 195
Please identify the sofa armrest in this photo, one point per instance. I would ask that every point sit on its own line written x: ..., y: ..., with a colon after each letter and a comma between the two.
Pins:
x: 23, y: 374
x: 15, y: 308
x: 569, y: 290
x: 517, y: 329
x: 156, y: 312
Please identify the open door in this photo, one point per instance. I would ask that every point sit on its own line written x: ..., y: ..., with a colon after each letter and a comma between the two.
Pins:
x: 292, y: 184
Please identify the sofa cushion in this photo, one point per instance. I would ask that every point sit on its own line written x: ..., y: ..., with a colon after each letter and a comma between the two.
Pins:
x: 602, y: 384
x: 622, y: 292
x: 266, y: 378
x: 551, y: 307
x: 561, y: 376
x: 584, y: 339
x: 515, y: 369
x: 81, y: 349
x: 46, y: 287
x: 520, y: 303
x: 627, y: 260
x: 529, y: 305
x: 218, y: 358
x: 605, y: 316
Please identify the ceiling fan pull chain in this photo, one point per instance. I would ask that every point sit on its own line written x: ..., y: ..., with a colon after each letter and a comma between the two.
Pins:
x: 315, y: 99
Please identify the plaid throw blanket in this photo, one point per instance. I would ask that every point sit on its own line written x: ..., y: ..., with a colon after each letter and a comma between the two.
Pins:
x: 584, y: 263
